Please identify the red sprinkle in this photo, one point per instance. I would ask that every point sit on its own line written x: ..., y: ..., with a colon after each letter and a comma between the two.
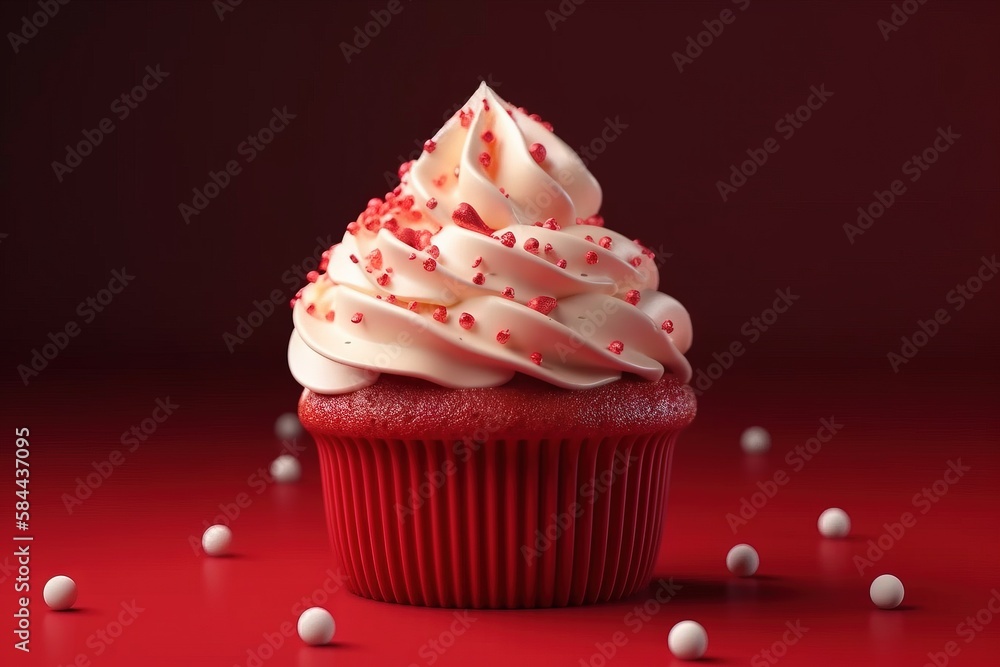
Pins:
x: 531, y: 245
x: 353, y: 227
x: 477, y: 261
x: 312, y: 276
x: 413, y: 255
x: 311, y: 308
x: 561, y: 263
x: 329, y: 316
x: 412, y: 306
x: 507, y: 292
x: 383, y: 279
x: 604, y: 242
x: 485, y: 159
x: 667, y: 326
x: 591, y: 257
x: 430, y: 145
x: 636, y: 261
x: 537, y: 152
x: 503, y: 336
x: 478, y: 279
x: 616, y: 346
x: 432, y: 203
x: 543, y: 304
x: 507, y: 238
x: 487, y: 136
x: 391, y: 298
x: 536, y: 358
x: 466, y: 321
x: 354, y: 259
x: 375, y: 258
x: 551, y: 224
x: 430, y: 264
x: 433, y: 251
x: 440, y: 314
x: 468, y: 218
x: 465, y: 117
x: 548, y: 247
x: 357, y: 317
x: 632, y: 296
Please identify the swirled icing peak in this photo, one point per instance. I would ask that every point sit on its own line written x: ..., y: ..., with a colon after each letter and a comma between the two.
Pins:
x: 487, y: 260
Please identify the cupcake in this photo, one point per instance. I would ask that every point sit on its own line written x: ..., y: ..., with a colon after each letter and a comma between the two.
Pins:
x: 493, y: 381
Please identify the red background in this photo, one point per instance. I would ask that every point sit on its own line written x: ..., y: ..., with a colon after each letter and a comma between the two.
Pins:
x: 784, y: 229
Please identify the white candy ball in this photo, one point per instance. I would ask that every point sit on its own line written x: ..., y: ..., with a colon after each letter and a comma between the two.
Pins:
x: 288, y: 426
x: 834, y: 522
x: 755, y: 440
x: 316, y: 626
x: 216, y: 540
x: 59, y: 592
x: 742, y: 560
x: 286, y: 469
x: 886, y: 591
x: 687, y: 640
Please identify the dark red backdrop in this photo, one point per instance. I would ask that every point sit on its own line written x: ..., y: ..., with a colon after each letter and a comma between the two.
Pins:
x: 784, y: 228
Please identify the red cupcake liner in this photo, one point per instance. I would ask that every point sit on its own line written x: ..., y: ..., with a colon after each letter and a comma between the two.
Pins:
x: 499, y: 524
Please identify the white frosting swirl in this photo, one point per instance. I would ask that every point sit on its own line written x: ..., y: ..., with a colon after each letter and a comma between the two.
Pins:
x: 452, y: 280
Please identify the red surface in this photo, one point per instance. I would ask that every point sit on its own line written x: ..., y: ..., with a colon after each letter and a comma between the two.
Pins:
x: 130, y: 540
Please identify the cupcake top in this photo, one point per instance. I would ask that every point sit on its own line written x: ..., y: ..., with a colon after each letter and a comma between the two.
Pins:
x: 489, y: 259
